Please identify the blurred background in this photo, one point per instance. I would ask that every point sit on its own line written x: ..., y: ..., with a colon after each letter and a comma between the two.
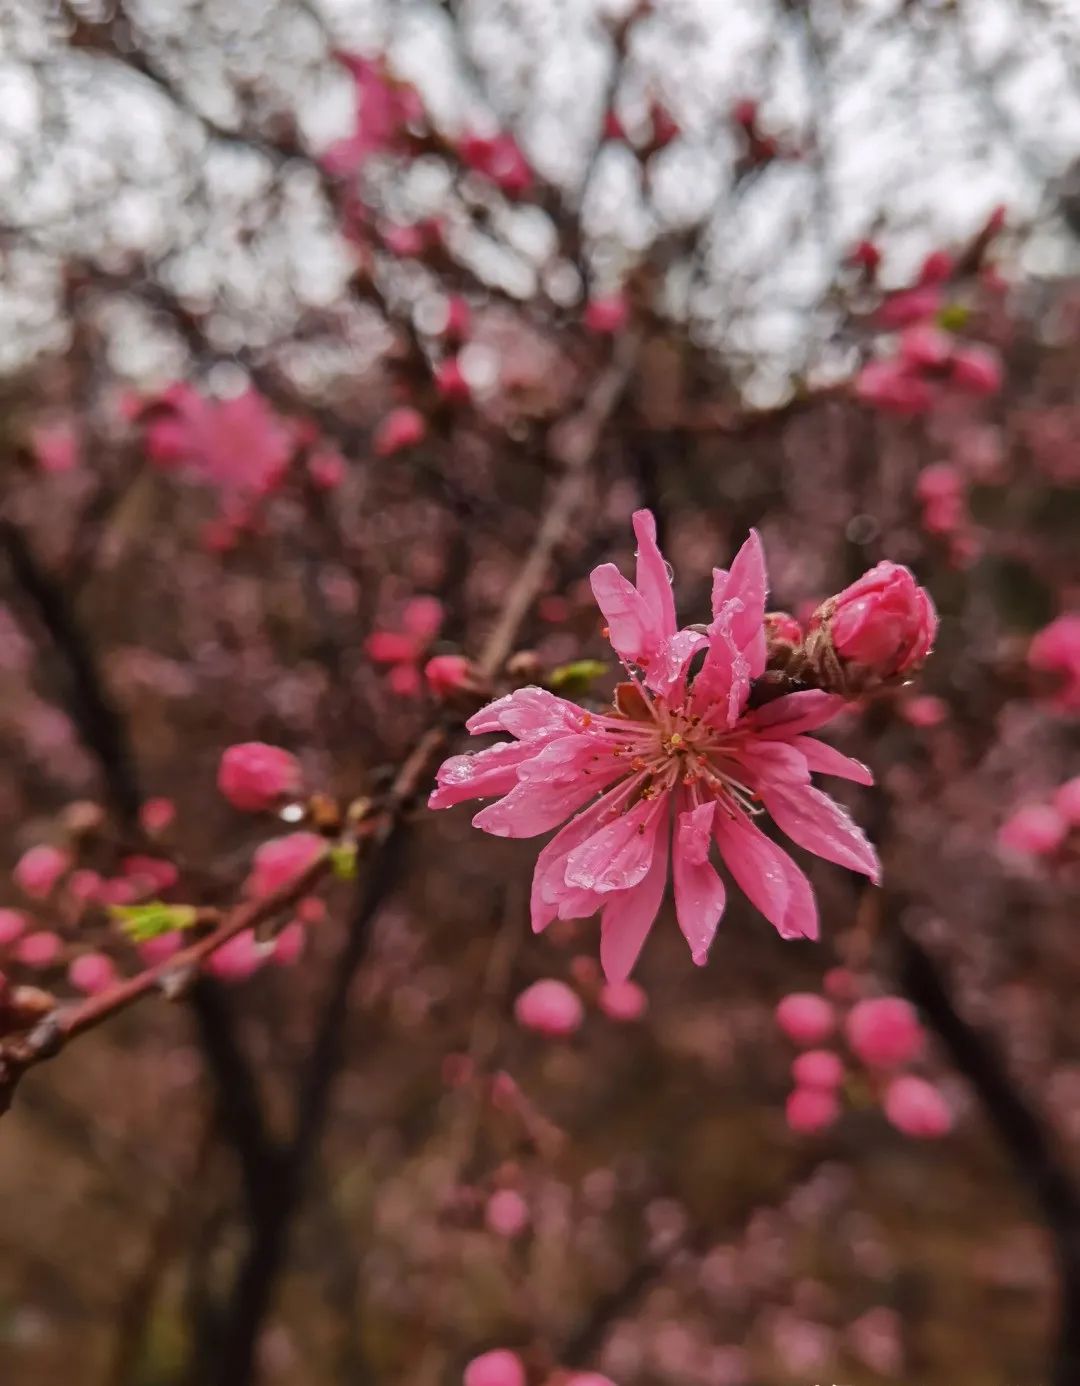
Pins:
x: 310, y: 309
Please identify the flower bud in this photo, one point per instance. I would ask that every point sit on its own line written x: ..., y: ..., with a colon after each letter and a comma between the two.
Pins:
x: 885, y: 1032
x: 809, y: 1110
x: 916, y: 1108
x: 818, y: 1068
x: 498, y: 1368
x: 38, y: 870
x: 805, y: 1018
x: 783, y: 636
x: 402, y: 428
x: 448, y: 675
x: 550, y: 1008
x: 255, y: 777
x: 884, y: 624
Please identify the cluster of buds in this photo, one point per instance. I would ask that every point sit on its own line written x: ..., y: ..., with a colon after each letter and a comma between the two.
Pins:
x: 876, y: 632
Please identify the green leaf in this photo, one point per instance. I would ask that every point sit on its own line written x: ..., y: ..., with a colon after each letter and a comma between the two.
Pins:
x: 343, y: 860
x: 576, y: 677
x: 953, y: 317
x: 150, y: 920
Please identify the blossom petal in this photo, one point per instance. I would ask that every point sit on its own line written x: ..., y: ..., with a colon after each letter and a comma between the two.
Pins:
x: 827, y: 760
x: 551, y: 897
x: 755, y: 863
x: 536, y: 806
x: 815, y: 822
x: 667, y: 669
x: 526, y: 712
x: 619, y: 855
x: 628, y: 916
x: 801, y: 915
x: 653, y: 578
x: 481, y: 775
x: 722, y: 686
x: 699, y: 891
x: 795, y: 712
x: 629, y: 620
x: 747, y: 583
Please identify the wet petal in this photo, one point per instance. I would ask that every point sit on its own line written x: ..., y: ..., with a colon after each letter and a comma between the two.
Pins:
x: 653, y: 580
x: 667, y: 668
x: 525, y: 712
x: 629, y: 915
x: 628, y: 619
x: 827, y: 760
x: 795, y: 712
x: 550, y: 895
x: 482, y: 775
x: 815, y: 822
x: 534, y: 806
x: 699, y: 891
x: 757, y: 864
x: 722, y: 686
x: 619, y: 855
x: 747, y: 583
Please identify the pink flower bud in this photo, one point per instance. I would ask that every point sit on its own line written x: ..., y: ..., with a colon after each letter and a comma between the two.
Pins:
x: 391, y: 647
x: 588, y: 1379
x: 450, y: 381
x: 885, y: 621
x: 404, y: 680
x: 884, y: 1032
x: 84, y: 886
x: 916, y: 1108
x: 782, y: 628
x: 936, y: 268
x: 908, y: 306
x: 311, y: 910
x: 805, y: 1018
x: 840, y: 983
x: 809, y: 1110
x: 326, y: 468
x: 158, y: 875
x: 446, y: 675
x: 1056, y: 650
x: 280, y: 861
x: 458, y: 319
x: 159, y: 949
x: 507, y: 1213
x: 13, y: 924
x: 38, y: 950
x: 623, y: 1001
x: 498, y: 1368
x: 1036, y: 830
x: 977, y: 370
x: 890, y: 386
x: 605, y: 316
x: 406, y: 242
x: 550, y: 1008
x: 91, y: 973
x: 56, y: 447
x: 237, y: 959
x: 402, y: 428
x: 255, y: 777
x: 818, y: 1068
x: 925, y: 346
x: 940, y: 481
x: 867, y: 256
x: 38, y: 870
x: 289, y: 944
x: 422, y: 617
x: 1067, y: 802
x: 664, y: 126
x: 925, y: 711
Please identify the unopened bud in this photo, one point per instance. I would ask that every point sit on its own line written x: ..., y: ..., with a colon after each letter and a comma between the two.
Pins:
x: 879, y: 629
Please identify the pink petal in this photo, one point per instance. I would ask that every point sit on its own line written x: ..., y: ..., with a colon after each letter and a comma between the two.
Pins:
x: 699, y: 891
x: 482, y: 775
x: 629, y: 915
x: 722, y: 686
x: 534, y: 806
x: 618, y: 856
x: 747, y: 583
x: 629, y: 620
x: 815, y: 822
x: 827, y: 760
x: 549, y: 889
x: 526, y: 712
x: 795, y: 712
x: 667, y: 668
x: 766, y: 875
x: 653, y: 579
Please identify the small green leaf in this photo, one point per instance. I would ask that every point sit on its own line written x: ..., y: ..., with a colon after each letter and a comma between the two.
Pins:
x: 150, y: 920
x: 576, y: 677
x: 343, y: 860
x: 953, y: 317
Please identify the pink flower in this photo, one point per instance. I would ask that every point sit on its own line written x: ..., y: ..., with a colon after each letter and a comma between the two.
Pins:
x: 909, y: 305
x: 679, y: 764
x: 884, y: 622
x: 498, y: 158
x: 866, y: 255
x: 157, y: 950
x: 458, y: 320
x: 507, y: 1213
x: 940, y: 481
x: 1036, y: 830
x: 289, y: 944
x: 809, y: 1110
x: 402, y: 428
x: 498, y: 1368
x: 916, y: 1108
x: 38, y: 950
x: 450, y: 381
x: 38, y: 870
x: 550, y: 1007
x: 156, y: 815
x: 384, y: 110
x: 57, y: 447
x: 152, y: 874
x: 237, y: 959
x: 239, y: 445
x: 818, y: 1068
x: 326, y: 468
x: 1067, y: 801
x: 446, y: 675
x: 894, y: 388
x: 805, y: 1018
x: 91, y: 973
x: 13, y: 925
x: 925, y: 711
x: 623, y: 1001
x: 977, y: 369
x: 604, y: 316
x: 936, y: 268
x: 926, y: 346
x: 255, y: 777
x: 1056, y: 650
x: 884, y: 1032
x: 280, y: 861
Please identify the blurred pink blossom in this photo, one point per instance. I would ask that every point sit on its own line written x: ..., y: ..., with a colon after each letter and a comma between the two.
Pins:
x: 549, y: 1007
x: 805, y: 1017
x: 884, y: 1032
x: 916, y: 1108
x: 1035, y: 830
x: 38, y: 870
x: 499, y: 1367
x: 255, y: 777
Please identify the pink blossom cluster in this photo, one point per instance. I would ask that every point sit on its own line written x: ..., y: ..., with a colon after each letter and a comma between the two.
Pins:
x: 555, y: 1010
x: 402, y: 651
x: 1054, y: 657
x: 1043, y: 829
x: 387, y: 110
x: 884, y: 1034
x: 684, y: 762
x: 928, y: 362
